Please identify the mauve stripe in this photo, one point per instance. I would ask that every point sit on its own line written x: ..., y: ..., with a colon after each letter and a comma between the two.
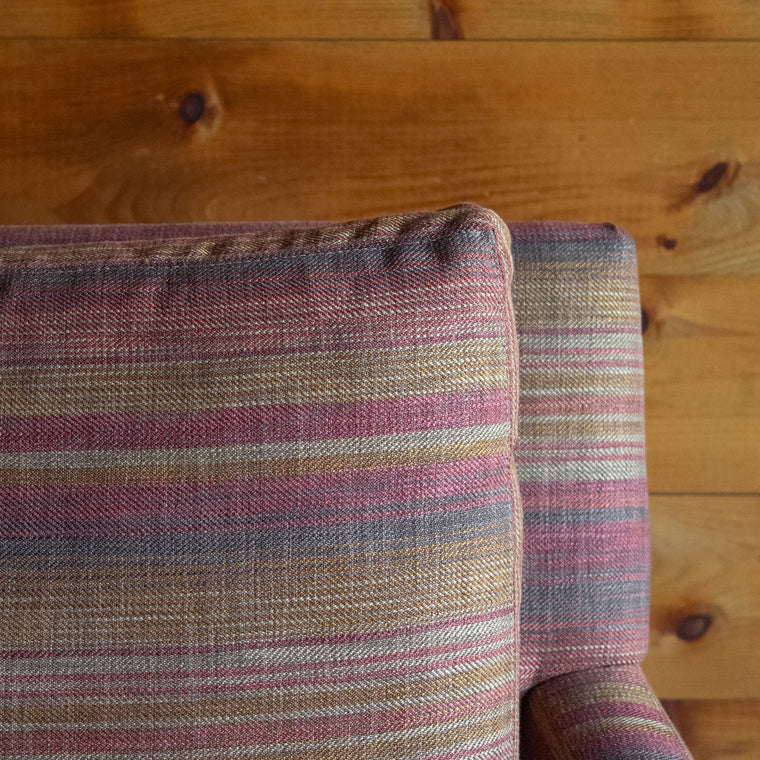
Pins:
x: 412, y: 515
x: 564, y: 404
x: 240, y: 425
x: 546, y: 494
x: 618, y: 544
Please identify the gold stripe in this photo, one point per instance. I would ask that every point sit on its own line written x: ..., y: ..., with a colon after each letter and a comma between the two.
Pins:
x: 249, y: 470
x: 314, y: 378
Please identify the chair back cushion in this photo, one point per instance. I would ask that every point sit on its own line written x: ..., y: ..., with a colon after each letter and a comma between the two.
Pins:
x: 257, y: 496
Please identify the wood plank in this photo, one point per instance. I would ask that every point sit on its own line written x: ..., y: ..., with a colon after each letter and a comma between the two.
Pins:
x: 383, y: 19
x: 702, y: 378
x: 628, y: 132
x: 705, y: 609
x: 718, y: 729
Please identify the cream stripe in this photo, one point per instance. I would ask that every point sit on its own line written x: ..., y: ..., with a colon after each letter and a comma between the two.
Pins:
x: 282, y: 694
x: 213, y: 456
x: 585, y: 471
x: 296, y: 655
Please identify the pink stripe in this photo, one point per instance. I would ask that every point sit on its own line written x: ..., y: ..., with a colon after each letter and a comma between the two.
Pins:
x: 580, y: 494
x: 261, y: 424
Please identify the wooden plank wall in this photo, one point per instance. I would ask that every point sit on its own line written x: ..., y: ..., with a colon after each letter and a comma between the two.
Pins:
x: 646, y: 114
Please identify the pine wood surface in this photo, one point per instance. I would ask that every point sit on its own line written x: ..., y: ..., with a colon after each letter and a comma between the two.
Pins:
x: 702, y: 379
x: 624, y: 124
x: 383, y: 19
x: 635, y: 132
x: 718, y: 729
x: 705, y: 606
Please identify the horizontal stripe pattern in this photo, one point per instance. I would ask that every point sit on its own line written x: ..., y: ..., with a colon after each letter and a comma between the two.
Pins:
x: 606, y: 713
x: 580, y: 451
x: 257, y: 493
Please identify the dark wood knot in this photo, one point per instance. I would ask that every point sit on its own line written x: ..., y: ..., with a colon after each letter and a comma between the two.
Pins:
x: 712, y: 176
x: 445, y: 20
x: 693, y: 627
x: 644, y: 321
x: 192, y: 107
x: 668, y: 243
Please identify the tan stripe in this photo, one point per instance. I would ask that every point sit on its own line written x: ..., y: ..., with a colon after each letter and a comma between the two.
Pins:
x: 579, y: 427
x: 415, y: 587
x: 585, y: 694
x: 541, y: 297
x: 312, y: 378
x: 465, y: 734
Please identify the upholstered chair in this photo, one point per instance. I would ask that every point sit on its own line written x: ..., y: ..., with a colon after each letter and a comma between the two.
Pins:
x: 361, y: 490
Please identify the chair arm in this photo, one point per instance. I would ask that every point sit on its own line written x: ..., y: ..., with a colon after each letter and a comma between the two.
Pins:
x: 606, y: 713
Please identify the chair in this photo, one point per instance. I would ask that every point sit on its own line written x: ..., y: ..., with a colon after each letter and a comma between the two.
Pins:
x: 584, y: 558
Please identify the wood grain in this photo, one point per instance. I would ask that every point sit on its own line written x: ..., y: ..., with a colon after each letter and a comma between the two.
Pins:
x: 705, y: 562
x: 630, y: 132
x: 702, y: 377
x: 718, y: 729
x: 659, y: 137
x: 381, y: 19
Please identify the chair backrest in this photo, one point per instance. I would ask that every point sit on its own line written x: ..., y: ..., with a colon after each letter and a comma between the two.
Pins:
x: 580, y: 452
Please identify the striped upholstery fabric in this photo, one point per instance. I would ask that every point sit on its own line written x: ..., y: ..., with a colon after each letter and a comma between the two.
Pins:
x: 607, y: 713
x: 580, y: 452
x: 580, y: 462
x: 256, y: 493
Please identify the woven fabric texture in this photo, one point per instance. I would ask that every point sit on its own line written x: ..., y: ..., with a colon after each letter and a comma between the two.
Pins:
x: 580, y: 452
x: 608, y: 713
x: 257, y: 496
